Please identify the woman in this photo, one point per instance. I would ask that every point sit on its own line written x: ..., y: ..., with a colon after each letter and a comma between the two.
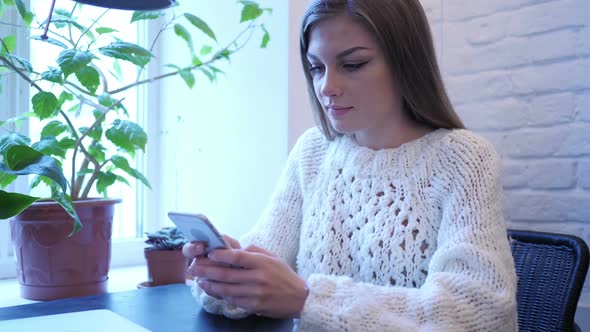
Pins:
x: 389, y: 217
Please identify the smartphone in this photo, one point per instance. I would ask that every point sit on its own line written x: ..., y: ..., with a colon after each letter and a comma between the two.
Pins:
x: 195, y: 227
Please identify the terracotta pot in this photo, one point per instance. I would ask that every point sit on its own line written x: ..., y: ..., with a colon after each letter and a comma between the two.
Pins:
x: 51, y: 265
x: 165, y: 266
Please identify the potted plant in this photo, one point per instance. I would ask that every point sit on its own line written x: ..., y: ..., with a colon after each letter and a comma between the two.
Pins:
x: 165, y: 262
x: 86, y: 128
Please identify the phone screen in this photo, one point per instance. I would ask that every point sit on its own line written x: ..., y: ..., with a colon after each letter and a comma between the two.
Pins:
x: 196, y: 227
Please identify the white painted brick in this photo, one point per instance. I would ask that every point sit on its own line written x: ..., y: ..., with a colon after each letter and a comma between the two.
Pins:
x: 480, y: 86
x: 551, y: 174
x: 584, y: 41
x: 539, y: 174
x: 497, y: 139
x: 562, y: 141
x: 496, y: 115
x: 562, y: 76
x: 513, y: 51
x: 433, y: 9
x: 506, y: 53
x: 584, y: 176
x: 462, y: 9
x: 583, y: 107
x: 571, y: 227
x: 514, y: 175
x: 547, y: 206
x: 550, y: 45
x: 552, y: 109
x: 549, y: 16
x: 483, y: 30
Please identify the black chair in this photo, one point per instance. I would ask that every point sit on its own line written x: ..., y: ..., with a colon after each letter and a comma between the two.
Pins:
x: 551, y: 269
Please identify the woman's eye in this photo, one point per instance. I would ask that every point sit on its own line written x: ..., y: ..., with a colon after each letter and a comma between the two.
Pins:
x: 354, y: 66
x: 315, y: 69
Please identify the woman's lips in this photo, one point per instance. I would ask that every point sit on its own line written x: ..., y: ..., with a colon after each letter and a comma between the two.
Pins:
x: 336, y: 111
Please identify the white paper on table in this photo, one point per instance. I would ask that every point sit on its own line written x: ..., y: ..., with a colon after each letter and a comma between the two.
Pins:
x: 82, y: 321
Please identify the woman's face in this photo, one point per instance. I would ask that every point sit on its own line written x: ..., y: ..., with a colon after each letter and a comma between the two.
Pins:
x: 352, y: 80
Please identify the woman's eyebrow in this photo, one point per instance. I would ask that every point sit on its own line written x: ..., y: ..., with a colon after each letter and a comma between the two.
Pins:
x: 341, y: 54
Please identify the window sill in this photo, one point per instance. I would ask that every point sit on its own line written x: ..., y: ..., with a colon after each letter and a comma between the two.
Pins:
x: 120, y: 279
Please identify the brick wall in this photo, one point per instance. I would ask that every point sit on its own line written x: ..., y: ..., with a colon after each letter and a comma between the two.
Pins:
x: 518, y: 72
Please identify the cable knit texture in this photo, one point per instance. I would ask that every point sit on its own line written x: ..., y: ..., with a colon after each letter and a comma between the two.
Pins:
x: 404, y: 239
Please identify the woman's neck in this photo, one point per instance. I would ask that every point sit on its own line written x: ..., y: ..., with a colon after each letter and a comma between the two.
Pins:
x: 392, y: 137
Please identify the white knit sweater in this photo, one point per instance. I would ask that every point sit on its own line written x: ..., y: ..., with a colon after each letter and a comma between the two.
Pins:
x: 401, y: 239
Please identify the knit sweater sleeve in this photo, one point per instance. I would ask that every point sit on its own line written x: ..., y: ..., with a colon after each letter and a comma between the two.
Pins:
x: 278, y: 228
x: 471, y: 283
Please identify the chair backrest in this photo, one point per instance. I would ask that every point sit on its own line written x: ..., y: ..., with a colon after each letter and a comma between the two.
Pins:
x: 551, y: 269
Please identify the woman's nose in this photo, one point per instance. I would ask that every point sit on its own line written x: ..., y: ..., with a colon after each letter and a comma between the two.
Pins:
x: 331, y: 84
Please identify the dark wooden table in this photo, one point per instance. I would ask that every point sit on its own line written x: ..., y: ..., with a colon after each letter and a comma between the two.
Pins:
x: 163, y: 308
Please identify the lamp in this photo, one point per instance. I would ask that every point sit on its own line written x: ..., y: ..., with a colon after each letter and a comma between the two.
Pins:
x: 131, y: 4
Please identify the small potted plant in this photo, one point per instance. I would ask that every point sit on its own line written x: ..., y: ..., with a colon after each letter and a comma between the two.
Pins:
x: 165, y: 262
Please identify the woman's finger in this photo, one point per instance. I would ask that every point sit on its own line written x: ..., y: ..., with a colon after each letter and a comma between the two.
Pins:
x: 193, y: 249
x: 232, y: 242
x: 226, y: 274
x: 225, y: 290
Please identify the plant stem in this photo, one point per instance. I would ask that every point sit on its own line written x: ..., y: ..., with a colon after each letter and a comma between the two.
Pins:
x: 20, y: 73
x: 90, y: 27
x: 44, y: 35
x: 97, y: 166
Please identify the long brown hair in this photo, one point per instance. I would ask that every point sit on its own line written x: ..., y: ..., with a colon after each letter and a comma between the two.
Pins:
x: 403, y: 34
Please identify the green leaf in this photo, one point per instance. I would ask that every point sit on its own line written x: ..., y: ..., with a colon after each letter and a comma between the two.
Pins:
x: 183, y: 33
x: 122, y: 163
x: 251, y: 11
x: 67, y: 143
x: 207, y: 73
x: 37, y: 180
x: 6, y: 179
x: 128, y: 52
x: 89, y: 78
x: 103, y: 30
x: 24, y: 64
x: 127, y: 135
x: 138, y: 16
x: 61, y: 22
x: 63, y: 96
x: 54, y: 75
x: 8, y: 44
x: 201, y: 25
x: 50, y: 40
x: 188, y: 77
x: 62, y: 12
x: 98, y: 152
x: 105, y: 180
x: 95, y: 134
x: 122, y: 180
x: 197, y: 61
x: 85, y: 171
x: 265, y: 38
x: 12, y: 204
x: 24, y: 160
x: 66, y: 202
x: 53, y: 129
x: 44, y: 104
x: 26, y: 15
x: 70, y: 61
x: 13, y: 139
x: 49, y: 146
x: 206, y: 49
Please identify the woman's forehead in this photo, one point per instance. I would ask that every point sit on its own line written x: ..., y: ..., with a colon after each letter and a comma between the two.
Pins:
x: 337, y: 34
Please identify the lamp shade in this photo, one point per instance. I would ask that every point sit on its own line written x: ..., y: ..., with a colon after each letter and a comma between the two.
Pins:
x: 130, y: 4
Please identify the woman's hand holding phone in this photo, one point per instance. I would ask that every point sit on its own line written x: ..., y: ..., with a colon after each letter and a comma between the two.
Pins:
x: 198, y: 251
